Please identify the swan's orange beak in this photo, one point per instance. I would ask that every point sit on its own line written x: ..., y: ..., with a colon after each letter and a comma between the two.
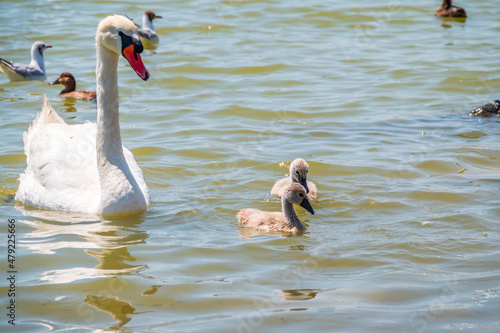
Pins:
x: 134, y: 59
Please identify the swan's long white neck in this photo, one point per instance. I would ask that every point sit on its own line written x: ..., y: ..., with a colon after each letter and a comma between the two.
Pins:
x: 109, y: 141
x: 290, y: 215
x: 146, y: 22
x: 118, y: 186
x: 37, y: 59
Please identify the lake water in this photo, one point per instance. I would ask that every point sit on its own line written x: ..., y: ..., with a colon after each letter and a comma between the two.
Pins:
x: 373, y: 94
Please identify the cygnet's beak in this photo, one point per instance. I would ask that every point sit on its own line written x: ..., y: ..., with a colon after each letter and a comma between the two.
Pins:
x: 303, y: 182
x: 305, y: 203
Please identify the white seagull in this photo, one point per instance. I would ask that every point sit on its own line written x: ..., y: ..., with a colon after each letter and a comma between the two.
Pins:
x: 21, y: 72
x: 147, y: 32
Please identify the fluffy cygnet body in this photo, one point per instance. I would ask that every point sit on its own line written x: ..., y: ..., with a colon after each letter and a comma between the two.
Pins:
x: 286, y: 220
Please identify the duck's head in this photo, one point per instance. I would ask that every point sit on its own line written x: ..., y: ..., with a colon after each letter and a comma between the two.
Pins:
x: 447, y: 3
x: 296, y: 194
x: 151, y: 15
x: 39, y: 47
x: 298, y: 171
x: 119, y: 35
x: 66, y: 79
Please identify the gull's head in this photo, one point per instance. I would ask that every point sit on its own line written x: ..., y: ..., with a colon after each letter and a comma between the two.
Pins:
x: 151, y: 15
x: 39, y: 47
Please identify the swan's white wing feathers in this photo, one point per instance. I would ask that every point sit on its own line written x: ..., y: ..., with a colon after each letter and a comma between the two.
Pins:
x: 61, y: 170
x: 137, y: 173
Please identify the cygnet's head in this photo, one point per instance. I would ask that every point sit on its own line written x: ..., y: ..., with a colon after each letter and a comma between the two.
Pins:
x: 119, y: 35
x: 296, y: 194
x: 298, y: 171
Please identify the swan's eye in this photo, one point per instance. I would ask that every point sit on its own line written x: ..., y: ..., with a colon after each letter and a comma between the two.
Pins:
x: 301, y: 195
x: 128, y: 40
x: 297, y: 172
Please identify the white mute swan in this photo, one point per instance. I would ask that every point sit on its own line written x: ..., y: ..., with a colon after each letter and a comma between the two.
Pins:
x: 21, y: 72
x: 148, y: 32
x: 276, y: 221
x: 84, y: 168
x: 298, y: 174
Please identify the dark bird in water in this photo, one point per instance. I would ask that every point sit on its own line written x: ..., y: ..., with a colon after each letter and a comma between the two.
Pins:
x: 147, y: 32
x: 488, y: 109
x: 69, y: 83
x: 448, y: 10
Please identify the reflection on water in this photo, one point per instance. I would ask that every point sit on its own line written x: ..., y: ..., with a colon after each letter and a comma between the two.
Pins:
x: 149, y: 46
x: 374, y: 95
x: 115, y: 307
x: 55, y: 231
x: 151, y: 291
x: 299, y: 294
x: 107, y: 240
x: 69, y: 106
x: 113, y: 259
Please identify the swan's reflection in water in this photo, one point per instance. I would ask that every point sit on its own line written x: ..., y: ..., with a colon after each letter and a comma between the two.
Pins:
x: 106, y: 239
x: 115, y: 307
x: 151, y: 291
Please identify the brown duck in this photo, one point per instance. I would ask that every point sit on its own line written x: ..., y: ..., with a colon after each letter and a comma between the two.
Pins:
x: 448, y: 10
x: 69, y: 82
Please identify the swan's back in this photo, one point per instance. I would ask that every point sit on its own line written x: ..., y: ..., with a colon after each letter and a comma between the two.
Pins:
x: 47, y: 116
x: 61, y: 162
x: 61, y: 171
